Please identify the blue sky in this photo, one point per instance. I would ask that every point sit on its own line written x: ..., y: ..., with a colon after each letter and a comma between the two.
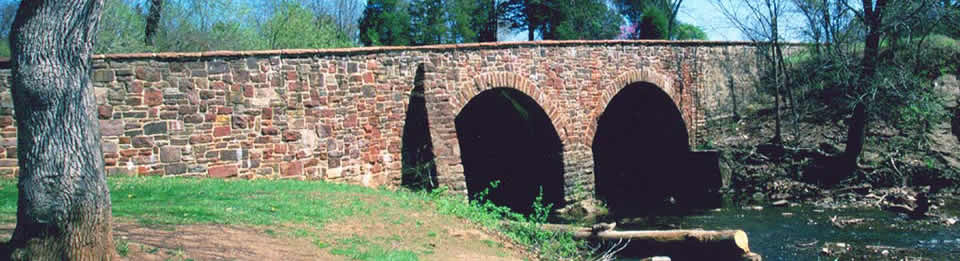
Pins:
x: 708, y: 17
x: 702, y: 13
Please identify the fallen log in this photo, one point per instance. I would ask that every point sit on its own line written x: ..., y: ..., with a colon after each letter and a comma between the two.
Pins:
x: 679, y: 244
x: 735, y: 240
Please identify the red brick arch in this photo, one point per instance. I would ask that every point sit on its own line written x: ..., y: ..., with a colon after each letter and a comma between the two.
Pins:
x: 625, y: 79
x: 511, y: 80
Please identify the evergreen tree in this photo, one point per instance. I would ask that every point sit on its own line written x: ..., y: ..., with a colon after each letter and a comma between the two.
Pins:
x: 653, y: 24
x: 385, y: 22
x: 554, y: 19
x: 584, y: 19
x: 429, y: 24
x: 636, y: 12
x: 688, y: 32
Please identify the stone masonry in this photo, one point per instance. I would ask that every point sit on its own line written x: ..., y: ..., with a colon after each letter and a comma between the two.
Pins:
x: 338, y: 114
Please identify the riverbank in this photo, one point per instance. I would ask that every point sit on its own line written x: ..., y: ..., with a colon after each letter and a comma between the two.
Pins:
x: 903, y: 192
x: 213, y: 219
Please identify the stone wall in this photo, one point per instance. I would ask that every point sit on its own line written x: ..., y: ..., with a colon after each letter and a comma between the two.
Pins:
x: 338, y: 114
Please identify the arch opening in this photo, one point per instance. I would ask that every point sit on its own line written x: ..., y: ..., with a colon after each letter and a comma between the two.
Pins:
x: 639, y: 149
x: 419, y: 168
x: 506, y: 136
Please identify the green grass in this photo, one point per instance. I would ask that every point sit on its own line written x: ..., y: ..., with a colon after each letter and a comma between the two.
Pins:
x: 291, y: 205
x: 259, y: 202
x: 359, y: 248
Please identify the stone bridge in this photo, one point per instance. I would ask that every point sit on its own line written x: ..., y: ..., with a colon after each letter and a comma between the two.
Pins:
x: 615, y: 119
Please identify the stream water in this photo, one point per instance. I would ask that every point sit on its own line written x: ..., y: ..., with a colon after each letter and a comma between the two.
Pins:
x: 801, y: 232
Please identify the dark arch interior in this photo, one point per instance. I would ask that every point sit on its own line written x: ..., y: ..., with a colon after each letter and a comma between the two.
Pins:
x: 639, y: 150
x: 505, y: 136
x: 419, y: 167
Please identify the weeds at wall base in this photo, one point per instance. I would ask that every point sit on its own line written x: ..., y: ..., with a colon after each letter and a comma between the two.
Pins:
x: 548, y: 245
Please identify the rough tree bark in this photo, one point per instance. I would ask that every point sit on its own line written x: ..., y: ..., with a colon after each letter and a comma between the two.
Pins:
x: 63, y: 209
x: 153, y: 21
x: 873, y: 19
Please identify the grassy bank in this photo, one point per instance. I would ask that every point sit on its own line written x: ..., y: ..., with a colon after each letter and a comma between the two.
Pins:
x: 350, y: 222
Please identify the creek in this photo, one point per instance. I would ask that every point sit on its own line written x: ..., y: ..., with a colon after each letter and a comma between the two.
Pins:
x: 801, y: 232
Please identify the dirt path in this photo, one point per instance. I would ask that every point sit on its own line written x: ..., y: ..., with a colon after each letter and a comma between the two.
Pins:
x: 461, y: 241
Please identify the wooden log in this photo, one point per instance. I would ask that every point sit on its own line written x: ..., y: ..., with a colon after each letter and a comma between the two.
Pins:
x: 733, y: 240
x: 680, y: 244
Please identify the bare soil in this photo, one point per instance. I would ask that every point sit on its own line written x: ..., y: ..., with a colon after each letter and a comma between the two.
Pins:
x: 386, y: 228
x: 460, y: 241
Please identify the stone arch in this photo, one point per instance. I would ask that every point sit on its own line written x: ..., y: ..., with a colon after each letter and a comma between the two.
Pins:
x: 607, y: 93
x: 514, y: 81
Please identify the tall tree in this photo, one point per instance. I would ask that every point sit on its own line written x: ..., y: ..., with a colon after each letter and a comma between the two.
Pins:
x: 584, y: 20
x: 759, y: 22
x: 385, y: 22
x: 63, y: 209
x: 293, y: 26
x: 153, y: 21
x: 428, y: 22
x: 635, y: 11
x: 489, y: 19
x: 471, y: 20
x: 345, y: 14
x: 120, y: 30
x: 555, y: 19
x: 530, y: 15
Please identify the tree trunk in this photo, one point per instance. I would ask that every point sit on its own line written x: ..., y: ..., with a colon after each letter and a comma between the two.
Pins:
x: 63, y: 209
x: 873, y: 18
x: 153, y: 21
x: 488, y: 31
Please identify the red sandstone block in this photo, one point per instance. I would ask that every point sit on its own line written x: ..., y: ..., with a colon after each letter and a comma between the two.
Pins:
x: 221, y: 131
x: 248, y: 91
x: 291, y: 135
x: 293, y: 169
x: 291, y: 76
x: 136, y: 88
x: 222, y: 110
x: 104, y: 111
x: 223, y: 171
x: 269, y: 131
x: 263, y: 140
x: 6, y: 121
x: 198, y: 139
x: 368, y: 77
x: 266, y: 113
x: 152, y: 97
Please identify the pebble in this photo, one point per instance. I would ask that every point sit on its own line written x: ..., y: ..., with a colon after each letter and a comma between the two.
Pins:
x: 780, y: 203
x: 885, y: 252
x: 786, y: 214
x: 818, y: 210
x: 842, y: 245
x: 950, y: 221
x: 753, y: 208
